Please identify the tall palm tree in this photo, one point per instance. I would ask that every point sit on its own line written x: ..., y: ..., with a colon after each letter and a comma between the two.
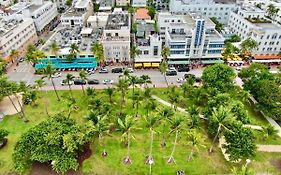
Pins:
x: 122, y: 86
x: 97, y: 49
x: 165, y: 53
x: 83, y: 77
x: 269, y: 131
x: 102, y: 128
x: 196, y: 141
x: 38, y: 85
x: 74, y: 49
x: 54, y: 48
x: 49, y: 71
x: 133, y: 80
x: 163, y: 68
x: 137, y: 98
x: 222, y: 116
x: 127, y: 126
x: 14, y: 54
x: 150, y: 103
x: 165, y: 114
x: 173, y: 97
x: 247, y: 46
x: 134, y: 52
x: 193, y: 112
x: 187, y: 88
x: 176, y: 123
x: 245, y: 96
x: 110, y: 92
x: 96, y: 104
x: 145, y: 79
x: 69, y: 79
x: 151, y: 122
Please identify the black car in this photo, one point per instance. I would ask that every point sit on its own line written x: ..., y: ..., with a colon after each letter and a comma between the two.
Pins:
x: 93, y: 81
x: 186, y: 76
x: 79, y: 82
x: 171, y: 73
x: 183, y: 69
x: 117, y: 70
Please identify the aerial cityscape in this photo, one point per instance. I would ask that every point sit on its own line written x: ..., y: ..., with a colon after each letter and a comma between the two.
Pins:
x: 140, y: 87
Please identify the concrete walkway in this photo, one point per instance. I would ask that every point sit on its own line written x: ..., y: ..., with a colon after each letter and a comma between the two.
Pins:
x: 269, y: 148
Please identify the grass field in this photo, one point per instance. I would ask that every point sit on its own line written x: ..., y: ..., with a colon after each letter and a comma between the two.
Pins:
x: 112, y: 164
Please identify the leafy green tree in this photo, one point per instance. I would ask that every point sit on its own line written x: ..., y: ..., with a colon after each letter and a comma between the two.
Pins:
x: 49, y: 71
x: 83, y: 77
x: 220, y: 120
x: 243, y: 171
x: 176, y: 123
x: 195, y: 139
x: 234, y: 38
x: 97, y: 49
x: 193, y: 112
x: 68, y: 2
x: 3, y: 65
x: 39, y: 83
x: 3, y: 134
x: 239, y: 111
x: 74, y: 50
x: 272, y: 11
x: 163, y: 68
x: 240, y: 142
x: 230, y: 51
x: 219, y: 77
x: 173, y: 97
x: 165, y: 114
x: 54, y: 48
x: 187, y: 88
x: 145, y: 79
x: 57, y: 139
x: 69, y: 79
x: 14, y: 54
x: 127, y: 126
x: 151, y: 11
x: 247, y: 46
x: 219, y: 26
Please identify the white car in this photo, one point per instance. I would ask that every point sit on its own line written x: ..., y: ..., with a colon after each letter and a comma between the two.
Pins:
x: 180, y: 80
x: 56, y: 75
x: 172, y: 68
x: 107, y: 81
x: 130, y: 69
x: 64, y: 83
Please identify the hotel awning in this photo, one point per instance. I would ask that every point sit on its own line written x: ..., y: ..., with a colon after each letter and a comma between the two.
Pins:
x: 266, y: 57
x: 211, y: 61
x: 266, y: 61
x: 179, y: 62
x: 146, y: 64
x: 138, y: 64
x: 155, y: 64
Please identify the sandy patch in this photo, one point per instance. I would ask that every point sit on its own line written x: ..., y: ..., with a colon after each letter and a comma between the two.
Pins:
x: 6, y: 106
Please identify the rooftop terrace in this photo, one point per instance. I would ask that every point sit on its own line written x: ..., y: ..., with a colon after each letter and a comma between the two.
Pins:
x: 116, y: 21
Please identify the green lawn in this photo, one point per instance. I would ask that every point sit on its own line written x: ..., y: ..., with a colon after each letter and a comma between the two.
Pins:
x: 112, y: 164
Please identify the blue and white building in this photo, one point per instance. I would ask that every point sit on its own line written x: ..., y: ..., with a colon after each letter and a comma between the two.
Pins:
x: 190, y: 37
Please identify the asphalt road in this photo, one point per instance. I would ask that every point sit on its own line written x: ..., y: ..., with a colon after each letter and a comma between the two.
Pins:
x: 25, y: 72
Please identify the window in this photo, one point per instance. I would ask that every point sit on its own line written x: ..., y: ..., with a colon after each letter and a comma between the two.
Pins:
x: 155, y: 50
x: 267, y: 36
x: 146, y: 52
x: 265, y: 43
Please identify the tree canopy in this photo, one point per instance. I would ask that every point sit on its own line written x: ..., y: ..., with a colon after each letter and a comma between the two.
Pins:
x: 56, y: 140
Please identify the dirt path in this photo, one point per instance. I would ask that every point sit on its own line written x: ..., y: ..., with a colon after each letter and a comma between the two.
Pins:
x: 6, y: 106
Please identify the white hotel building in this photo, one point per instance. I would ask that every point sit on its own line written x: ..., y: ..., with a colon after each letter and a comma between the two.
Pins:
x: 209, y: 8
x: 266, y: 33
x: 190, y: 37
x: 16, y: 34
x: 116, y: 37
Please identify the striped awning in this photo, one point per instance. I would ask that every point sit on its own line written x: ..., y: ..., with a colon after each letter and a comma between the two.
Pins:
x: 146, y: 64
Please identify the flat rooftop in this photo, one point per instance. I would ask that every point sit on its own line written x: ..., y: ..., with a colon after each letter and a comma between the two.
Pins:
x: 116, y: 21
x: 268, y: 26
x: 73, y: 12
x: 7, y: 26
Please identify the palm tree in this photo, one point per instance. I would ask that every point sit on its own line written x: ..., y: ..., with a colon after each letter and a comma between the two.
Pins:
x: 122, y: 86
x: 3, y: 65
x: 102, y: 128
x: 272, y: 11
x: 247, y: 46
x: 176, y: 123
x: 83, y: 77
x: 97, y: 49
x: 193, y: 112
x: 243, y: 171
x: 150, y: 103
x: 187, y: 88
x: 245, y: 96
x: 151, y: 122
x: 133, y: 80
x: 165, y: 114
x: 165, y: 53
x: 54, y: 48
x: 96, y: 104
x: 163, y: 68
x: 110, y: 92
x: 49, y: 71
x: 134, y: 52
x: 69, y: 79
x: 269, y: 131
x: 127, y: 126
x: 223, y: 117
x: 137, y: 98
x: 196, y: 141
x: 173, y: 97
x: 14, y: 54
x: 145, y: 79
x: 74, y: 49
x: 38, y: 85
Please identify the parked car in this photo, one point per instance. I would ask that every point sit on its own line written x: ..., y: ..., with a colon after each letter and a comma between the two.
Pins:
x: 130, y: 69
x: 64, y: 83
x: 56, y: 75
x: 117, y: 70
x: 107, y: 81
x: 171, y: 73
x: 186, y: 76
x: 180, y: 80
x: 103, y: 71
x: 172, y: 68
x: 93, y: 81
x: 183, y: 69
x: 79, y: 82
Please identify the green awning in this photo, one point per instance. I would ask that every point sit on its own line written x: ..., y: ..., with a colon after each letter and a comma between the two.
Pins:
x: 179, y: 62
x: 211, y: 61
